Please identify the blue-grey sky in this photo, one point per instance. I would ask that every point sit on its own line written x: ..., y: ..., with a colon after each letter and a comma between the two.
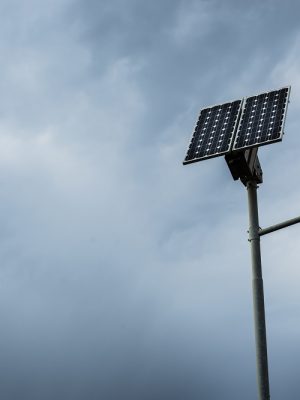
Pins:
x: 123, y: 274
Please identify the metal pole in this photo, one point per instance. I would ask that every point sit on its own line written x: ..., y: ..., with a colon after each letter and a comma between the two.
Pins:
x: 258, y: 295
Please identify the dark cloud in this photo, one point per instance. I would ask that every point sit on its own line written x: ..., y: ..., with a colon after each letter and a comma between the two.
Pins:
x: 189, y: 50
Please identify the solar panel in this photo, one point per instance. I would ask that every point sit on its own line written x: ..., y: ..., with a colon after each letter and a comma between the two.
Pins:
x: 262, y: 119
x: 214, y: 132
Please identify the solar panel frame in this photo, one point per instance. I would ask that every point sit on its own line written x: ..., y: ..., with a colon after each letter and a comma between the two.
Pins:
x: 265, y: 142
x: 193, y: 140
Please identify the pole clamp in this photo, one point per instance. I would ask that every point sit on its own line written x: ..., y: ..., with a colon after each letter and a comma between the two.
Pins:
x: 253, y: 233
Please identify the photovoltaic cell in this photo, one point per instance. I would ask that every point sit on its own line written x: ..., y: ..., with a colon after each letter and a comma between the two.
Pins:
x: 262, y: 119
x: 214, y: 132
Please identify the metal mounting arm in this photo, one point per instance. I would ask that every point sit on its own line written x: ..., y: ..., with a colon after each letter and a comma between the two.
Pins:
x: 276, y: 227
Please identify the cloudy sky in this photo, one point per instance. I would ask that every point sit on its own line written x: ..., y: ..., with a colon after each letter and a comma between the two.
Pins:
x: 123, y: 274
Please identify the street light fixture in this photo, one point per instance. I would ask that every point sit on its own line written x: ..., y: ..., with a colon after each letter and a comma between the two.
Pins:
x: 236, y: 130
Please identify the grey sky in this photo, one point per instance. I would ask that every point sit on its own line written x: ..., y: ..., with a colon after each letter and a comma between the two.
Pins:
x: 123, y: 274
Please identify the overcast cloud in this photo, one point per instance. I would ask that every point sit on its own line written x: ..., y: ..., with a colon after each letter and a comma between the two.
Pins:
x: 123, y: 274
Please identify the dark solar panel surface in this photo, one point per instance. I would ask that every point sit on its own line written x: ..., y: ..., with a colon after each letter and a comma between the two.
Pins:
x: 262, y: 119
x: 214, y: 132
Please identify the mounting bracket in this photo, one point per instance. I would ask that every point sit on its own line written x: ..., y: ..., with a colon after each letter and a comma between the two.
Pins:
x: 245, y: 165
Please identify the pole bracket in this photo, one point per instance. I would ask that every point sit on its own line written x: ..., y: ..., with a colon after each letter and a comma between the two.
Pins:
x: 244, y: 165
x: 253, y: 233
